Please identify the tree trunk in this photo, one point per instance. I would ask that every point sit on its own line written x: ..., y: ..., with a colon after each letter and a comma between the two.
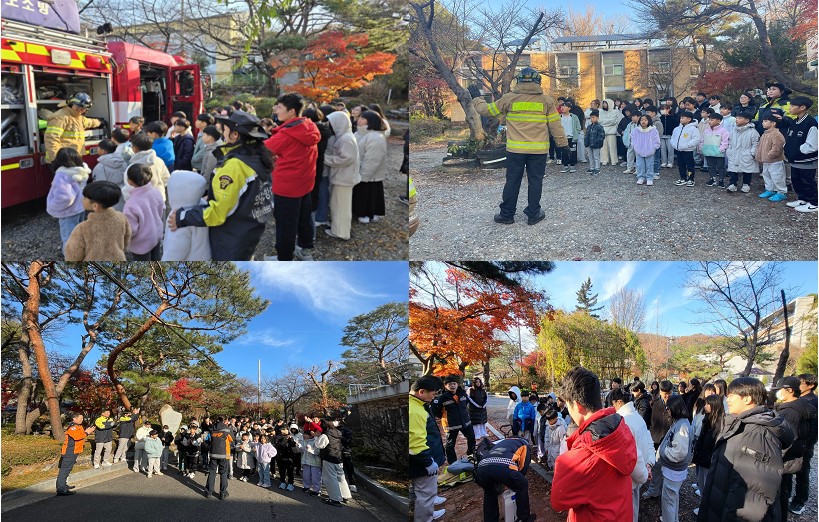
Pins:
x: 486, y: 375
x: 473, y: 119
x: 771, y: 61
x: 112, y: 357
x: 786, y: 352
x: 26, y: 387
x: 30, y: 323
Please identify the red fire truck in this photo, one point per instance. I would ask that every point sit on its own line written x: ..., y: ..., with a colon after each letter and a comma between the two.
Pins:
x: 42, y: 67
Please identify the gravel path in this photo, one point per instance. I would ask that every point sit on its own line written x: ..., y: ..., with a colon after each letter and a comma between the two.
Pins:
x: 29, y: 233
x: 606, y: 217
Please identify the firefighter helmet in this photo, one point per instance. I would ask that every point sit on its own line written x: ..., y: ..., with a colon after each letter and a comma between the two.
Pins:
x: 81, y: 99
x: 528, y: 74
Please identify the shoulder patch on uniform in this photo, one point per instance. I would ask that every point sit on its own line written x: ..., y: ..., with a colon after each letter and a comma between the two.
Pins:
x: 224, y: 181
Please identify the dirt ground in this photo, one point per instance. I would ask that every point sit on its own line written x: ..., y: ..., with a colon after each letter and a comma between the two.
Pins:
x: 29, y: 233
x: 465, y: 501
x: 605, y: 217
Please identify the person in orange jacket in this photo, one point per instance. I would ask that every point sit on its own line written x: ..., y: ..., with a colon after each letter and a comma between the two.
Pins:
x: 75, y: 436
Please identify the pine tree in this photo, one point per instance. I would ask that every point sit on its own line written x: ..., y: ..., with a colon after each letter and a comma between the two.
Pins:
x: 586, y: 301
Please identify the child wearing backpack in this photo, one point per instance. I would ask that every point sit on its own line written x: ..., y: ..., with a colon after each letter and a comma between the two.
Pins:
x: 595, y: 137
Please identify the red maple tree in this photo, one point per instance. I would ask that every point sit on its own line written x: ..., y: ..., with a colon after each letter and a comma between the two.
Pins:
x: 333, y: 62
x: 447, y: 339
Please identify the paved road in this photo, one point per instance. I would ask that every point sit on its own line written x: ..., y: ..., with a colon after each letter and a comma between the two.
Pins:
x: 174, y: 498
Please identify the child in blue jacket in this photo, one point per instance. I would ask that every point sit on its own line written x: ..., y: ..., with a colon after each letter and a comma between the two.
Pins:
x: 162, y: 146
x: 524, y: 417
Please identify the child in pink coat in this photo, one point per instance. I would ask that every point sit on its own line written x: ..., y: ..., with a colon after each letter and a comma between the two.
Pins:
x: 145, y: 210
x: 645, y: 139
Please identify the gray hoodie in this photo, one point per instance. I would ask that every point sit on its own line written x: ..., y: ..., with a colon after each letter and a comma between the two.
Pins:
x: 208, y: 159
x: 111, y: 167
x: 342, y: 158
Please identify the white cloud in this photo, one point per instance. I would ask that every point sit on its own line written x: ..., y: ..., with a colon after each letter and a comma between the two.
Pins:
x: 267, y: 337
x: 614, y: 282
x: 325, y: 287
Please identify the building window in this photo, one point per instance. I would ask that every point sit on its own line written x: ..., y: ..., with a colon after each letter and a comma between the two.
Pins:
x: 613, y: 71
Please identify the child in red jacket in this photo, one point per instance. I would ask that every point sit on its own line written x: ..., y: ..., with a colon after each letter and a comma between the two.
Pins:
x: 295, y: 144
x: 601, y: 451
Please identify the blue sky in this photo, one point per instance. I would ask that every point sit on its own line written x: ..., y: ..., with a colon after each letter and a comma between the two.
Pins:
x: 662, y: 284
x: 310, y: 304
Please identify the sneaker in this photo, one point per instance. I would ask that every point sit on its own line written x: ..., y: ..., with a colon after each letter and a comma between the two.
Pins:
x: 731, y: 188
x: 796, y: 508
x: 649, y: 182
x: 680, y: 182
x: 116, y: 460
x: 160, y: 473
x: 641, y: 181
x: 65, y: 493
x: 797, y: 203
x: 711, y: 182
x: 364, y: 219
x: 192, y: 475
x: 603, y: 165
x: 107, y: 464
x: 376, y: 219
x: 314, y: 493
x: 550, y: 162
x: 572, y: 170
x: 282, y: 486
x: 689, y: 183
x: 403, y: 199
x: 136, y: 469
x: 698, y: 493
x: 656, y: 175
x: 589, y: 171
x: 503, y: 220
x: 438, y: 514
x: 624, y: 164
x: 96, y: 466
x: 439, y: 500
x: 695, y: 486
x: 290, y: 487
x: 305, y: 490
x: 721, y: 184
x: 807, y: 207
x: 149, y: 475
x: 776, y: 198
x: 303, y: 254
x: 646, y: 496
x: 537, y: 219
x: 564, y: 170
x: 745, y: 188
x: 336, y: 503
x: 627, y: 171
x: 330, y: 233
x: 696, y: 511
x: 322, y: 223
x: 767, y: 194
x: 353, y: 488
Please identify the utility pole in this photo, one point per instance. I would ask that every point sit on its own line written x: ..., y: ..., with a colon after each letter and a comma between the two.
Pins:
x: 259, y: 393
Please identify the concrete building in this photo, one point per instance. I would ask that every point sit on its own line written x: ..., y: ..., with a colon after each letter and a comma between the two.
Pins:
x: 802, y: 315
x: 599, y: 66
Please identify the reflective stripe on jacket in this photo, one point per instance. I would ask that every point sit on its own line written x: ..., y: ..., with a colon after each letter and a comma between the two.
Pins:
x: 66, y: 130
x: 531, y: 119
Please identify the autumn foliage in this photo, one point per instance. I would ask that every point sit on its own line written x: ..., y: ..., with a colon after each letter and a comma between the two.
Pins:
x: 333, y: 62
x: 449, y: 337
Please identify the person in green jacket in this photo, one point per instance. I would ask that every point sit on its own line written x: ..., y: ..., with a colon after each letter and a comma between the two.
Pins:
x: 426, y: 450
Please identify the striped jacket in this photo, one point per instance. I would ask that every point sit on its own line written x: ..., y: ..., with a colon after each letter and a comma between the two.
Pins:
x: 66, y: 130
x: 531, y: 119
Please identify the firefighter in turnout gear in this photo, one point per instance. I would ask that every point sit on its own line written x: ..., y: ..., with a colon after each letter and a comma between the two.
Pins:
x: 531, y: 119
x: 66, y: 127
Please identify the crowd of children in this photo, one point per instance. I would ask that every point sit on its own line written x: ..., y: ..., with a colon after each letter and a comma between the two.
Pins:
x: 705, y: 133
x: 318, y: 450
x: 308, y: 166
x: 752, y: 454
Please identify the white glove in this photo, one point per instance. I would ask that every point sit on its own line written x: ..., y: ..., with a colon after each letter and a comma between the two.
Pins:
x: 432, y: 469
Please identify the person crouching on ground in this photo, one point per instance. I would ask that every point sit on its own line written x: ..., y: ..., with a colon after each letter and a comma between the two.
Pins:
x: 601, y: 451
x: 505, y: 464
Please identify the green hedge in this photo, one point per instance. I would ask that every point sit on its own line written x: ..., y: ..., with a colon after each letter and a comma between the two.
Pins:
x: 25, y: 450
x: 423, y: 129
